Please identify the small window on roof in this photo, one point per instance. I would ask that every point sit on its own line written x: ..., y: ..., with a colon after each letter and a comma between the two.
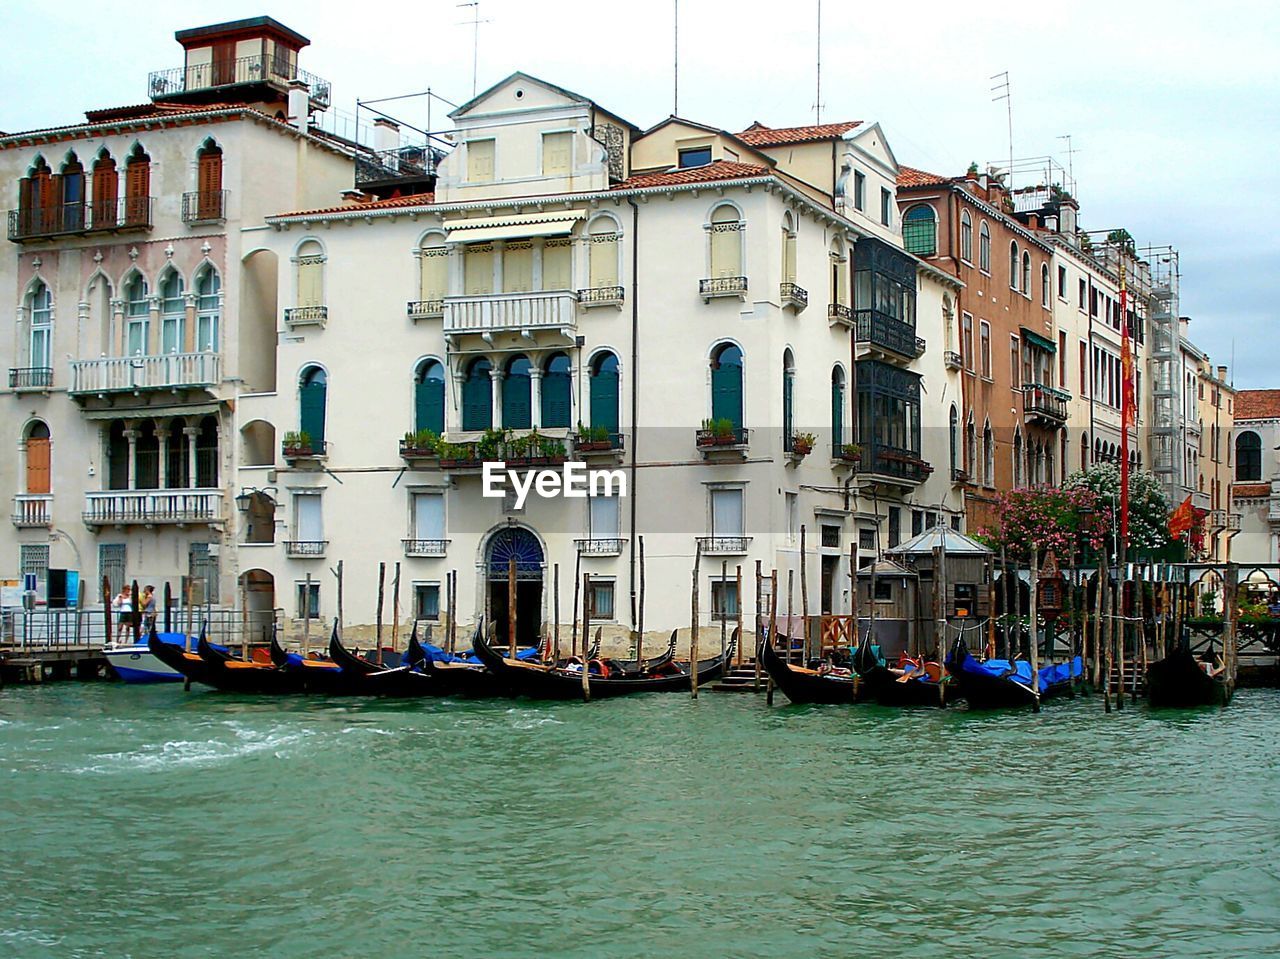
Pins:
x: 695, y: 156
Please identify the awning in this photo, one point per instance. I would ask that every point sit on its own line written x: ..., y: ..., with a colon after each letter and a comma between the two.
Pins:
x: 150, y: 412
x: 1036, y: 339
x: 520, y: 226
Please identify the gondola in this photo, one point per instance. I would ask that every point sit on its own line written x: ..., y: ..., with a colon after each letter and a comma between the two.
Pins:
x: 231, y: 675
x: 192, y: 667
x: 1000, y: 684
x: 369, y: 679
x: 802, y: 685
x: 920, y: 687
x: 547, y: 682
x: 1180, y: 681
x: 321, y: 677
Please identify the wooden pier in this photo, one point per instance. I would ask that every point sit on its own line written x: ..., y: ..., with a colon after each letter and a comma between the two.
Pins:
x: 31, y: 664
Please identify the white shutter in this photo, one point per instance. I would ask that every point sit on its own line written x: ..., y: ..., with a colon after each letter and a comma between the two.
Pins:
x: 517, y: 268
x: 726, y: 512
x: 604, y: 517
x: 555, y: 153
x: 308, y: 518
x: 435, y: 273
x: 603, y: 254
x: 477, y: 264
x: 557, y: 270
x: 428, y: 516
x: 479, y: 160
x: 726, y: 252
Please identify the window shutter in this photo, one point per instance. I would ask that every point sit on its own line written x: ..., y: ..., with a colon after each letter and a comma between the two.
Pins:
x: 604, y: 261
x: 311, y: 406
x: 517, y: 268
x: 479, y: 160
x: 604, y: 401
x: 477, y: 403
x: 603, y: 517
x: 556, y: 394
x: 557, y: 269
x: 308, y: 518
x: 556, y: 149
x: 789, y: 258
x: 435, y: 273
x: 516, y: 406
x: 726, y: 394
x: 726, y: 252
x: 38, y: 465
x: 137, y: 190
x: 837, y: 413
x: 428, y: 516
x: 477, y: 265
x: 726, y: 512
x: 788, y: 407
x: 429, y: 405
x: 311, y: 282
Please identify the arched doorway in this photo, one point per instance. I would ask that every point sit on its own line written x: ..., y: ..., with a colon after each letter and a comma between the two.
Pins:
x: 514, y: 542
x: 259, y: 591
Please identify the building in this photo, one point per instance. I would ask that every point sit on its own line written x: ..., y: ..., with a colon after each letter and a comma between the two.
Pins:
x: 1255, y: 489
x: 1207, y: 448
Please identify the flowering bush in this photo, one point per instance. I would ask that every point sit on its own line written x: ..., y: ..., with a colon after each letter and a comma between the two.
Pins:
x: 1064, y: 520
x: 1148, y: 506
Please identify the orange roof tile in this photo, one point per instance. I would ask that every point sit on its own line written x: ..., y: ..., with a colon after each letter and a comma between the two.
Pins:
x: 144, y: 110
x: 1257, y: 405
x: 412, y: 199
x: 1249, y: 490
x: 910, y: 176
x: 759, y: 135
x: 718, y: 170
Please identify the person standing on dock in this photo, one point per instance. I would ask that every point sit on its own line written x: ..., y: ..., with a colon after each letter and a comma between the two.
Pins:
x: 148, y: 608
x: 123, y: 606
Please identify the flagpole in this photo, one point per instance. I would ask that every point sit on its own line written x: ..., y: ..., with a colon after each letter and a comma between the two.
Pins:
x: 1126, y: 402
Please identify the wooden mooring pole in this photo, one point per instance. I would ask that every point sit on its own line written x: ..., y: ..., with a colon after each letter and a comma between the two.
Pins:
x: 804, y: 600
x: 306, y: 616
x: 395, y: 609
x: 555, y: 599
x: 773, y: 631
x: 693, y: 636
x: 586, y: 627
x: 382, y: 576
x: 1033, y: 595
x: 511, y: 608
x: 640, y: 612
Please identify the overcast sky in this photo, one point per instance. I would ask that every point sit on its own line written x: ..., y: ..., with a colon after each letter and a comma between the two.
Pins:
x: 1173, y: 107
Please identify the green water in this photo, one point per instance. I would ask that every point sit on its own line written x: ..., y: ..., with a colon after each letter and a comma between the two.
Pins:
x: 147, y: 822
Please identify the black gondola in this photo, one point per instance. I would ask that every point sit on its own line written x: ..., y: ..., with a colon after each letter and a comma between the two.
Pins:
x: 983, y: 689
x: 802, y: 685
x: 888, y: 688
x: 369, y: 679
x: 233, y: 675
x: 192, y: 667
x: 539, y: 681
x: 1180, y: 681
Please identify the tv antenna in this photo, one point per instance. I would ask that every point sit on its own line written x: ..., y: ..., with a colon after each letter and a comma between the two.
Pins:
x: 1003, y: 92
x: 675, y: 82
x: 1070, y: 151
x: 474, y: 23
x: 817, y: 102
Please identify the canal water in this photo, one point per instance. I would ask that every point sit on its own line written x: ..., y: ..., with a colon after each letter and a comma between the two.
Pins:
x: 149, y: 822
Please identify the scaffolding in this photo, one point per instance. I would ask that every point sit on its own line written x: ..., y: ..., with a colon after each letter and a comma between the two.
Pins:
x: 1166, y: 373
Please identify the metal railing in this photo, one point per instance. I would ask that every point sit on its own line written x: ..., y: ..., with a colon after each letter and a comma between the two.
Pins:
x: 313, y: 451
x: 886, y: 333
x: 147, y: 507
x: 722, y: 286
x: 402, y: 163
x: 792, y: 294
x: 426, y: 308
x: 31, y: 378
x: 306, y: 316
x: 613, y: 443
x: 953, y: 360
x: 739, y: 436
x: 712, y: 545
x: 597, y: 546
x: 33, y: 509
x: 425, y: 547
x: 204, y: 206
x: 602, y: 295
x: 47, y: 630
x: 839, y: 313
x: 546, y: 309
x: 129, y: 374
x: 219, y: 73
x: 898, y: 463
x: 1045, y: 403
x: 310, y: 548
x: 122, y: 213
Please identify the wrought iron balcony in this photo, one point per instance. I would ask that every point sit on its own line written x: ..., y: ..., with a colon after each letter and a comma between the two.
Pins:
x: 26, y: 378
x: 953, y: 360
x: 1045, y: 405
x: 724, y: 545
x: 306, y: 316
x: 398, y: 167
x: 886, y: 335
x: 602, y: 296
x: 426, y: 309
x: 136, y: 374
x: 552, y: 310
x: 80, y: 219
x: 900, y: 465
x: 709, y: 289
x: 600, y: 547
x: 305, y: 548
x: 33, y: 509
x: 204, y: 206
x: 199, y: 82
x: 425, y: 547
x: 153, y: 507
x: 794, y: 296
x: 839, y: 313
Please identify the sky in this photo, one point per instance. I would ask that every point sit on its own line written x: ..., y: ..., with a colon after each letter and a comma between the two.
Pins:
x: 1173, y: 108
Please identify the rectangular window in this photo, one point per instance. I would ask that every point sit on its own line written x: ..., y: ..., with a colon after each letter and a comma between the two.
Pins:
x: 884, y: 590
x: 428, y: 516
x: 695, y: 156
x: 930, y: 519
x: 556, y: 153
x: 793, y: 517
x: 1062, y: 282
x: 34, y: 559
x: 308, y: 526
x: 557, y: 266
x: 603, y: 517
x: 426, y: 601
x: 602, y: 599
x: 966, y: 340
x: 1084, y: 292
x: 726, y: 512
x: 1062, y: 359
x: 859, y: 190
x: 1015, y: 363
x: 895, y: 526
x: 308, y: 603
x: 724, y: 599
x: 966, y: 603
x: 480, y: 161
x: 477, y: 269
x: 984, y: 348
x: 917, y: 522
x: 830, y: 536
x: 517, y: 268
x: 1084, y: 369
x: 956, y: 523
x: 111, y: 557
x: 886, y: 206
x: 203, y: 570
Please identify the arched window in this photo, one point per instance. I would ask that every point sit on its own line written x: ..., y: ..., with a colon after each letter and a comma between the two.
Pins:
x: 1048, y: 464
x: 603, y: 253
x: 428, y: 397
x: 72, y: 182
x: 178, y: 457
x: 953, y: 436
x: 726, y: 384
x: 1084, y: 451
x: 313, y: 395
x: 37, y: 204
x: 1248, y: 457
x: 433, y: 273
x: 208, y: 310
x: 106, y: 191
x: 984, y: 247
x: 839, y: 275
x: 137, y: 313
x: 726, y: 242
x: 1013, y: 264
x: 988, y: 456
x: 1044, y: 285
x: 604, y: 393
x: 40, y: 311
x: 173, y: 314
x: 137, y: 187
x: 517, y: 407
x: 1026, y: 272
x: 966, y: 237
x: 788, y: 399
x: 477, y: 396
x: 146, y: 457
x: 310, y: 262
x: 1018, y: 480
x: 971, y: 449
x: 38, y: 472
x: 920, y: 230
x: 209, y: 182
x: 837, y: 411
x: 557, y: 392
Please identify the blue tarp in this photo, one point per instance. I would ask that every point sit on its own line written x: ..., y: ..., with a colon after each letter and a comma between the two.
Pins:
x: 1020, y: 671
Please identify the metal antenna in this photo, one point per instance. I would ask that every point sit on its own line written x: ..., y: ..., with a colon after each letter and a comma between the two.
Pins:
x: 675, y: 83
x: 474, y: 23
x: 1071, y: 168
x: 817, y: 103
x: 1003, y: 92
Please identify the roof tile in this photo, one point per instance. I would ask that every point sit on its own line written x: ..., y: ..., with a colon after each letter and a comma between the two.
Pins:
x: 910, y: 176
x: 717, y: 170
x: 412, y: 199
x: 1257, y: 405
x: 759, y: 135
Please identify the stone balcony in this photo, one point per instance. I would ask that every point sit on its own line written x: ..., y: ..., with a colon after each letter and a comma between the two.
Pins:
x: 171, y: 507
x: 553, y: 311
x: 33, y: 509
x: 138, y: 374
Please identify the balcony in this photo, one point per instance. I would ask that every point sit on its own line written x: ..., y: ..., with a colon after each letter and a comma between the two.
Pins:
x: 723, y: 444
x: 137, y: 374
x: 204, y: 82
x: 304, y: 454
x: 722, y: 286
x: 887, y: 337
x: 724, y: 545
x: 174, y: 507
x: 602, y: 296
x: 33, y: 509
x: 1044, y: 405
x: 600, y: 547
x: 206, y: 206
x: 31, y: 379
x: 893, y: 465
x: 81, y: 219
x: 306, y: 316
x: 400, y: 168
x: 425, y: 309
x: 425, y: 547
x: 305, y: 548
x: 846, y: 454
x: 958, y: 476
x: 839, y: 314
x: 526, y: 313
x: 594, y: 446
x: 953, y: 360
x: 794, y: 296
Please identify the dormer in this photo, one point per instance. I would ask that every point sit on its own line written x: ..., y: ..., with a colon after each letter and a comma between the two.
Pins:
x: 249, y: 62
x: 526, y: 137
x: 677, y: 143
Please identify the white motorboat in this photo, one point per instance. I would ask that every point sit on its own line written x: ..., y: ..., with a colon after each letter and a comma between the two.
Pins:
x: 134, y: 662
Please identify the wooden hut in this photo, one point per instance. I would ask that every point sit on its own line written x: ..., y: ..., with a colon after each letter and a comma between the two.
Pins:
x: 894, y: 598
x: 966, y: 573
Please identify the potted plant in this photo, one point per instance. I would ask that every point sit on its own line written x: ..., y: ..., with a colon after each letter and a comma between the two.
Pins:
x: 592, y: 438
x: 492, y: 445
x: 851, y: 452
x: 456, y: 454
x: 420, y: 443
x: 802, y: 444
x: 296, y: 443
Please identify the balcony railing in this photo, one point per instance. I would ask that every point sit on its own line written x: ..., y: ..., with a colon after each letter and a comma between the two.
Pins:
x: 33, y: 509
x: 133, y: 374
x: 306, y: 316
x: 793, y: 295
x: 839, y: 313
x: 884, y: 333
x: 722, y: 286
x: 959, y: 476
x: 600, y: 546
x: 153, y: 507
x: 1045, y: 404
x: 77, y: 219
x: 26, y: 378
x: 425, y: 309
x: 306, y: 548
x: 317, y: 452
x: 517, y: 312
x: 710, y: 440
x: 899, y: 464
x: 395, y: 166
x: 602, y: 296
x: 724, y: 545
x: 204, y: 206
x: 425, y: 547
x: 196, y: 77
x: 953, y: 360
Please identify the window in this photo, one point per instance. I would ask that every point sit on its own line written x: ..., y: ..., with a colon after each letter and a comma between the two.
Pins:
x: 884, y: 590
x: 726, y: 242
x: 557, y: 392
x: 984, y: 248
x: 106, y: 191
x: 1248, y: 457
x: 604, y: 517
x: 954, y: 437
x: 788, y: 398
x: 694, y: 156
x: 1062, y: 359
x: 173, y: 314
x: 517, y: 267
x: 428, y: 516
x: 310, y: 264
x: 1044, y: 285
x: 920, y: 230
x: 602, y: 599
x: 208, y: 310
x: 433, y: 269
x: 517, y: 412
x: 837, y: 410
x: 788, y: 250
x: 966, y: 237
x: 557, y: 264
x: 604, y: 393
x: 557, y: 154
x: 1026, y: 273
x: 426, y: 601
x: 1017, y: 459
x: 839, y: 276
x: 1013, y: 264
x: 1015, y: 363
x: 1062, y: 282
x: 111, y: 565
x: 603, y: 253
x: 477, y: 396
x: 726, y: 512
x: 984, y: 348
x: 988, y: 456
x: 477, y: 269
x: 33, y: 559
x: 971, y: 448
x: 917, y: 522
x: 480, y: 161
x: 867, y: 545
x: 308, y: 601
x: 308, y: 518
x: 886, y: 206
x: 40, y: 303
x: 895, y: 526
x: 859, y: 190
x: 137, y: 187
x: 966, y: 600
x: 38, y: 479
x: 966, y: 340
x: 313, y: 394
x: 428, y: 397
x: 724, y: 600
x: 1084, y: 369
x: 830, y: 536
x: 793, y: 517
x: 209, y: 182
x: 1083, y: 290
x: 137, y: 313
x: 726, y: 384
x: 72, y: 183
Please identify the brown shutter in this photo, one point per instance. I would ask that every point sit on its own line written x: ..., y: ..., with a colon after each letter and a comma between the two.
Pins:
x: 106, y: 192
x: 38, y: 465
x: 137, y: 191
x: 209, y: 184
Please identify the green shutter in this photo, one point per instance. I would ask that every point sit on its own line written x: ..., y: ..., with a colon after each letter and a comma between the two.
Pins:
x: 604, y: 400
x: 516, y: 412
x: 726, y: 394
x: 428, y: 405
x: 477, y: 403
x: 837, y: 414
x: 788, y: 406
x: 556, y: 408
x: 311, y: 404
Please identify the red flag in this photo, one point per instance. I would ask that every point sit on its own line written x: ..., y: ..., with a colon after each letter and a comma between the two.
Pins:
x: 1182, y: 519
x: 1126, y: 407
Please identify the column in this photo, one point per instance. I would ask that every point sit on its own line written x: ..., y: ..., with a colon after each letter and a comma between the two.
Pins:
x: 535, y: 397
x: 190, y: 432
x: 115, y: 346
x: 453, y: 411
x: 495, y: 380
x: 162, y: 440
x: 153, y: 325
x: 131, y: 434
x: 188, y: 341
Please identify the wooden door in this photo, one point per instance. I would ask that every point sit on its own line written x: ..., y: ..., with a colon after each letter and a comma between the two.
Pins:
x: 209, y: 185
x: 224, y: 63
x: 38, y: 480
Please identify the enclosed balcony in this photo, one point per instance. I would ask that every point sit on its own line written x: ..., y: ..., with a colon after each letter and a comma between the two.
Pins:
x: 212, y: 81
x: 886, y: 337
x: 553, y: 311
x: 138, y: 374
x: 174, y: 507
x: 895, y: 465
x: 131, y: 213
x: 1044, y: 405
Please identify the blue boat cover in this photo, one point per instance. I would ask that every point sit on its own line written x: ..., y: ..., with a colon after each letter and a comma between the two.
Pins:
x: 1020, y: 671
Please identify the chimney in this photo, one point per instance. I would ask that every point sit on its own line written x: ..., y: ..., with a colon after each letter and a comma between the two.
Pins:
x: 299, y: 104
x: 1222, y: 373
x: 354, y: 197
x: 1033, y: 220
x: 386, y: 135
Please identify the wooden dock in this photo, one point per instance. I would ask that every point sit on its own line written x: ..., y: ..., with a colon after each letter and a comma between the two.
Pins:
x: 32, y: 664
